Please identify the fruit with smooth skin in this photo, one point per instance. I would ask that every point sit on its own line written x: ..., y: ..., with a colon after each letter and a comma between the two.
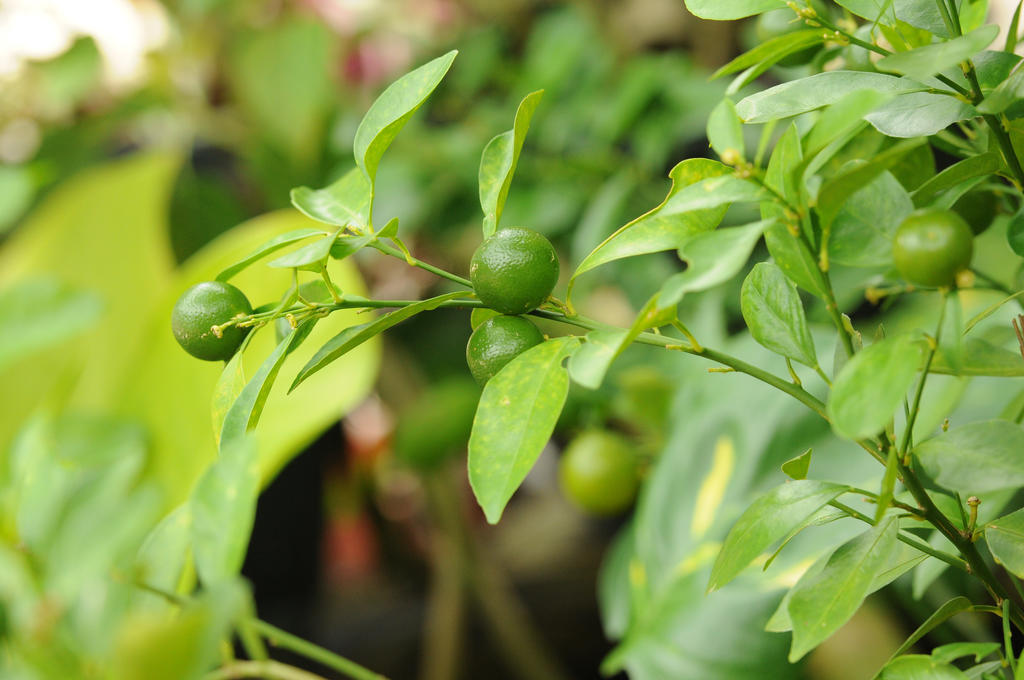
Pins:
x: 498, y: 341
x: 437, y: 424
x: 514, y: 271
x: 931, y: 246
x: 598, y: 472
x: 199, y: 309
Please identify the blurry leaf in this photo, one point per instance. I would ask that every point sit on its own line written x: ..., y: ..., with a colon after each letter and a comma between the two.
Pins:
x: 969, y: 168
x: 768, y: 520
x: 872, y: 10
x: 230, y: 384
x: 392, y: 109
x: 514, y: 420
x: 498, y: 163
x: 1015, y: 232
x: 161, y: 557
x: 245, y: 412
x: 841, y: 117
x: 1005, y: 538
x: 613, y: 585
x: 712, y: 193
x: 39, y: 312
x: 863, y: 230
x: 872, y: 385
x: 17, y: 189
x: 589, y: 364
x: 1009, y: 92
x: 980, y: 357
x: 920, y: 667
x: 989, y: 311
x: 928, y: 60
x: 821, y: 604
x: 919, y: 114
x: 345, y: 202
x: 354, y: 336
x: 958, y: 650
x: 976, y: 457
x: 725, y: 130
x: 947, y: 611
x: 771, y: 51
x: 774, y: 314
x: 223, y: 505
x: 713, y: 258
x: 269, y: 247
x: 797, y: 468
x: 281, y: 77
x: 814, y: 92
x: 730, y: 9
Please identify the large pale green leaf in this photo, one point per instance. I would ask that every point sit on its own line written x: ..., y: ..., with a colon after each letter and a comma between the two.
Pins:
x: 871, y: 386
x: 928, y: 60
x: 919, y: 114
x: 814, y: 92
x: 344, y: 202
x: 223, y: 507
x: 499, y: 160
x: 713, y: 258
x: 392, y: 109
x: 821, y: 604
x: 657, y: 230
x: 170, y: 391
x: 862, y: 231
x: 517, y: 413
x: 731, y: 9
x: 768, y: 520
x: 920, y: 667
x: 976, y: 457
x: 1005, y: 538
x: 774, y: 314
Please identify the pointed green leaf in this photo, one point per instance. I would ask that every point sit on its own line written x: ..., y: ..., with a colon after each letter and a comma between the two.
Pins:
x: 920, y: 667
x: 928, y: 60
x: 774, y: 314
x: 768, y: 520
x: 516, y: 416
x: 346, y: 202
x: 589, y: 364
x: 1005, y: 538
x: 797, y: 468
x: 720, y: 10
x: 161, y: 557
x: 310, y: 257
x: 229, y: 385
x: 772, y: 50
x: 976, y: 457
x: 725, y: 130
x: 981, y: 165
x: 919, y: 114
x: 958, y: 650
x: 273, y: 245
x: 1009, y: 92
x: 392, y: 109
x: 498, y: 163
x: 947, y: 611
x: 821, y: 604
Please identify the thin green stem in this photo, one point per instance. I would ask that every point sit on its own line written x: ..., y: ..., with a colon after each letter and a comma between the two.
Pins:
x: 915, y: 407
x: 280, y: 638
x: 395, y: 252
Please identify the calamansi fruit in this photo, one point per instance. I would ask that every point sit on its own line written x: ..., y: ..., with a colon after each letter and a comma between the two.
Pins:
x: 598, y: 472
x: 498, y: 341
x: 514, y: 271
x: 932, y: 246
x: 199, y: 309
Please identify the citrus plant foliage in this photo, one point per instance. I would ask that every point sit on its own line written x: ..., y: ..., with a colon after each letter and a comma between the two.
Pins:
x: 883, y: 438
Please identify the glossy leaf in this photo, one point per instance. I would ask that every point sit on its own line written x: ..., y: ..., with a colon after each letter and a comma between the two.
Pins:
x: 958, y: 650
x: 772, y: 50
x: 589, y: 364
x: 797, y: 468
x: 821, y: 604
x: 928, y: 60
x: 774, y: 314
x: 245, y: 412
x: 768, y: 520
x: 223, y: 506
x: 919, y: 114
x: 345, y: 202
x: 392, y: 109
x: 1005, y: 538
x: 271, y: 246
x: 948, y: 610
x: 514, y: 420
x: 730, y: 9
x: 976, y: 457
x: 817, y: 91
x: 872, y: 385
x: 863, y: 230
x: 713, y: 258
x: 840, y: 118
x: 354, y: 336
x: 499, y: 160
x: 1009, y: 92
x: 725, y: 130
x: 38, y: 312
x: 920, y: 667
x: 310, y: 257
x: 969, y: 168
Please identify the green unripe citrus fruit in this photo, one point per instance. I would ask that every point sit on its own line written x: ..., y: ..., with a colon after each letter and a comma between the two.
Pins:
x: 978, y: 208
x: 514, y: 271
x: 931, y: 246
x: 202, y: 307
x: 498, y: 341
x: 778, y: 22
x: 598, y: 472
x: 437, y: 424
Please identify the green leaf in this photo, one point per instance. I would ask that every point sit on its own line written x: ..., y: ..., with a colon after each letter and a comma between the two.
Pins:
x: 392, y: 109
x: 920, y: 667
x: 712, y: 193
x: 479, y: 315
x: 797, y: 468
x: 989, y: 311
x: 354, y: 336
x: 245, y: 411
x: 873, y: 10
x: 840, y: 118
x: 345, y: 202
x: 1005, y: 538
x: 821, y: 604
x: 975, y: 166
x: 310, y: 257
x: 774, y: 314
x: 657, y: 230
x: 38, y: 312
x: 863, y: 230
x: 730, y: 9
x: 229, y: 385
x: 872, y: 385
x: 958, y: 650
x: 919, y: 114
x: 768, y: 520
x: 712, y: 258
x: 944, y: 613
x: 815, y: 92
x: 498, y: 163
x: 980, y: 357
x: 1015, y: 232
x: 162, y: 556
x: 928, y: 60
x: 516, y: 416
x: 771, y: 51
x: 273, y: 245
x: 1009, y: 92
x: 589, y: 364
x: 725, y: 130
x: 976, y: 457
x: 223, y: 506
